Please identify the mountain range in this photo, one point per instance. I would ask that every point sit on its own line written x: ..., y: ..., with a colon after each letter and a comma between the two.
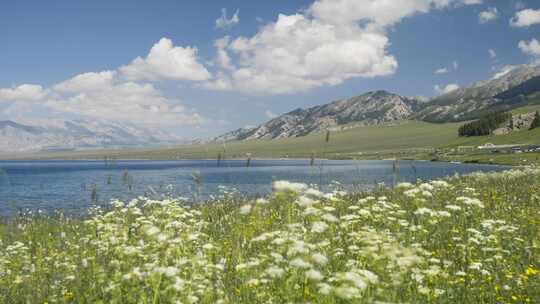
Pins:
x: 513, y: 87
x: 76, y: 134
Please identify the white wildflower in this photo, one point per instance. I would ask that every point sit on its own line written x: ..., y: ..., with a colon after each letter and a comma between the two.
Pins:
x: 404, y: 185
x: 453, y: 207
x: 314, y: 275
x: 423, y: 210
x: 288, y: 186
x: 324, y: 288
x: 262, y: 201
x: 275, y: 272
x: 246, y: 209
x: 319, y: 258
x: 346, y: 292
x: 304, y: 201
x: 319, y: 227
x: 299, y: 263
x: 412, y: 192
x: 329, y: 218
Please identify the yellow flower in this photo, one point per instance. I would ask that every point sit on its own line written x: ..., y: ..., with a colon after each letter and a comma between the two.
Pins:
x: 531, y: 271
x: 68, y: 295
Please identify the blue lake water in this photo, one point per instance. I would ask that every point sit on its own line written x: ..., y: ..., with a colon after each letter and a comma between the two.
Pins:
x: 73, y: 186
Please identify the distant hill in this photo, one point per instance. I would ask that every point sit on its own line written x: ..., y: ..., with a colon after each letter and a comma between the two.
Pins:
x: 75, y: 134
x: 372, y: 108
x: 515, y: 87
x: 504, y: 91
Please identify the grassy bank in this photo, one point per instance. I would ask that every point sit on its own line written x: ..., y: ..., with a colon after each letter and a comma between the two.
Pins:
x: 407, y: 139
x: 472, y: 239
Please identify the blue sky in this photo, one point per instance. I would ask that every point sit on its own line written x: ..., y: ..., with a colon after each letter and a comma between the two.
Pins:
x: 280, y: 55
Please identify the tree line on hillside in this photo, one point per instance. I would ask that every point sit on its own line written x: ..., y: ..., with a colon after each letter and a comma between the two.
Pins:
x: 485, y: 124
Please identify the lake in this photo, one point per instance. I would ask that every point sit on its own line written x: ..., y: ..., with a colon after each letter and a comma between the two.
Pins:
x: 74, y: 186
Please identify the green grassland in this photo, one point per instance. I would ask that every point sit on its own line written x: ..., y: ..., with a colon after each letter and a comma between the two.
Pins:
x: 523, y: 137
x: 526, y: 109
x: 400, y: 136
x: 469, y: 239
x: 405, y: 139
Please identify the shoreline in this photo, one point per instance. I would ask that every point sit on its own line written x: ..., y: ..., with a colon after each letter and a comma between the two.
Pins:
x: 473, y: 161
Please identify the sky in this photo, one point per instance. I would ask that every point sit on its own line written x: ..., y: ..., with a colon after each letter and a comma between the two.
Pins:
x: 201, y: 68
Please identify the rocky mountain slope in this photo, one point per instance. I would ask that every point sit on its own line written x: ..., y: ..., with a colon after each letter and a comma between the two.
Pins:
x: 504, y: 91
x: 519, y: 122
x: 75, y: 134
x: 511, y: 88
x: 367, y: 109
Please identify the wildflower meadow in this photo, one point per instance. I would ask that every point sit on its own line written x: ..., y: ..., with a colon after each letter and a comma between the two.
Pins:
x: 468, y: 239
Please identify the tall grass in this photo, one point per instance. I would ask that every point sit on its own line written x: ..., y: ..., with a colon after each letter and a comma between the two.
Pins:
x: 471, y: 239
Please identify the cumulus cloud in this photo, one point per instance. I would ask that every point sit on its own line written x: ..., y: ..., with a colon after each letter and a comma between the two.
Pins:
x: 112, y: 95
x: 379, y: 13
x: 166, y: 61
x: 526, y: 18
x: 488, y: 15
x: 87, y: 82
x: 492, y: 53
x: 226, y: 23
x: 119, y: 101
x: 328, y: 43
x: 441, y: 71
x: 23, y: 92
x: 530, y: 47
x: 440, y: 90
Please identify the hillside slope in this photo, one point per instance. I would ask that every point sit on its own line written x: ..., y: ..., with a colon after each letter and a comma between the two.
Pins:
x: 506, y: 90
x: 372, y: 108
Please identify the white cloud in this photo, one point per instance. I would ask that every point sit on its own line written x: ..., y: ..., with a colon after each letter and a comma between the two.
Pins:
x: 455, y: 65
x: 297, y: 53
x: 441, y: 71
x: 108, y: 95
x: 488, y: 15
x: 23, y: 92
x: 530, y: 48
x: 87, y: 82
x: 270, y: 114
x: 492, y: 53
x: 226, y: 23
x: 223, y: 59
x: 330, y: 42
x: 445, y: 89
x: 379, y: 13
x: 120, y: 101
x: 165, y: 61
x: 525, y: 18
